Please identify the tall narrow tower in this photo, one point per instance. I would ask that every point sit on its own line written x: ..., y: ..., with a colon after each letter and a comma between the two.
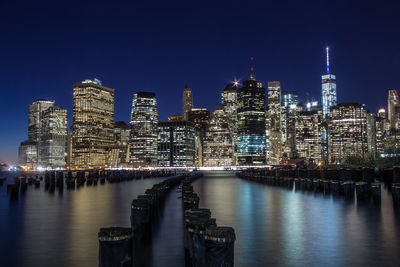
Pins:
x: 92, y: 124
x: 329, y: 98
x: 144, y: 130
x: 187, y: 102
x: 251, y: 141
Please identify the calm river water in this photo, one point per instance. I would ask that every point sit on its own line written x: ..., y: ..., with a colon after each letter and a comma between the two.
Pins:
x: 274, y: 226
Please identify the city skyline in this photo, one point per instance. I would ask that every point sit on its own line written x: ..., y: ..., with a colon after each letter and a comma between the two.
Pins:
x: 303, y: 100
x: 207, y: 50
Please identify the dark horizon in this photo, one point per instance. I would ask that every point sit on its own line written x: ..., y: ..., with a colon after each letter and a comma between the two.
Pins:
x: 159, y: 47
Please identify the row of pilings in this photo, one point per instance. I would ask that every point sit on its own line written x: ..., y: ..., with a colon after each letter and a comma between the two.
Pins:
x: 349, y: 182
x: 128, y: 246
x: 205, y: 243
x: 56, y: 180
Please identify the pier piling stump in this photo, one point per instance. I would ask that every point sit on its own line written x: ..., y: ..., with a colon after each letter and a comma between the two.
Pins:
x: 396, y: 193
x: 115, y: 247
x: 368, y: 175
x: 362, y: 190
x: 220, y: 242
x: 376, y: 191
x: 396, y: 175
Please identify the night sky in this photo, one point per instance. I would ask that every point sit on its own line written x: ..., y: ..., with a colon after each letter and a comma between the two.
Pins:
x: 160, y: 46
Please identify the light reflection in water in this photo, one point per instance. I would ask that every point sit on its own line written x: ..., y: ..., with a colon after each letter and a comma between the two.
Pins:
x: 274, y: 226
x: 280, y: 227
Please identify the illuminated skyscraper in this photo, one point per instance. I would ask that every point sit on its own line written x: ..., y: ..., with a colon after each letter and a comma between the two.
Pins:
x: 291, y: 106
x: 274, y: 122
x: 53, y: 138
x: 251, y: 141
x: 93, y: 124
x: 229, y: 105
x: 347, y: 131
x: 308, y: 135
x: 47, y: 137
x: 176, y: 143
x: 187, y: 102
x: 381, y: 129
x: 144, y: 130
x: 28, y: 154
x: 200, y: 117
x: 290, y: 100
x: 382, y: 113
x: 217, y: 149
x: 371, y: 134
x: 119, y: 151
x: 329, y: 97
x: 394, y: 109
x: 35, y: 118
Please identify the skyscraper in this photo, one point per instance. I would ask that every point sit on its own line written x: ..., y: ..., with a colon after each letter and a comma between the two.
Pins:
x: 119, y: 151
x: 381, y: 113
x: 251, y: 122
x: 347, y: 131
x: 290, y: 100
x: 381, y: 128
x: 329, y: 98
x: 371, y: 134
x: 187, y: 102
x: 274, y: 122
x: 35, y: 118
x: 47, y: 137
x: 93, y: 124
x: 291, y: 107
x: 217, y: 149
x: 144, y: 130
x: 53, y: 138
x: 308, y: 135
x: 176, y: 143
x: 200, y: 117
x: 394, y: 109
x: 229, y: 105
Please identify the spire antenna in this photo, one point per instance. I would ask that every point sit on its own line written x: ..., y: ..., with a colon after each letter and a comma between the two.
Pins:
x: 252, y: 76
x: 327, y: 60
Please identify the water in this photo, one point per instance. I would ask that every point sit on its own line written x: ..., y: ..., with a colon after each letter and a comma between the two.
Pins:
x: 280, y: 227
x: 274, y: 226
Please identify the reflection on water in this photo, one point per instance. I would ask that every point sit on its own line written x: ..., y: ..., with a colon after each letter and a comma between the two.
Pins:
x: 280, y: 227
x: 41, y: 229
x: 274, y: 226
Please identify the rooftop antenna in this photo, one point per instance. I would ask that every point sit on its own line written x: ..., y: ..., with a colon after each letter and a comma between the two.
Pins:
x: 327, y: 60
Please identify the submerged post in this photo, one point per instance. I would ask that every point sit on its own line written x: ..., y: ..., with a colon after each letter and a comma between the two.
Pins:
x: 220, y: 242
x: 115, y: 247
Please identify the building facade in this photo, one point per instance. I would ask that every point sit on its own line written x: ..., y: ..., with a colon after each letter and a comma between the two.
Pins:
x: 47, y: 137
x: 119, y: 151
x: 144, y: 130
x: 200, y: 117
x: 251, y: 141
x: 328, y: 93
x: 347, y: 132
x: 394, y: 109
x: 217, y: 148
x: 275, y: 122
x: 229, y: 105
x: 53, y: 138
x: 187, y: 102
x: 92, y: 125
x: 309, y: 135
x: 371, y: 134
x: 176, y: 144
x: 28, y: 154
